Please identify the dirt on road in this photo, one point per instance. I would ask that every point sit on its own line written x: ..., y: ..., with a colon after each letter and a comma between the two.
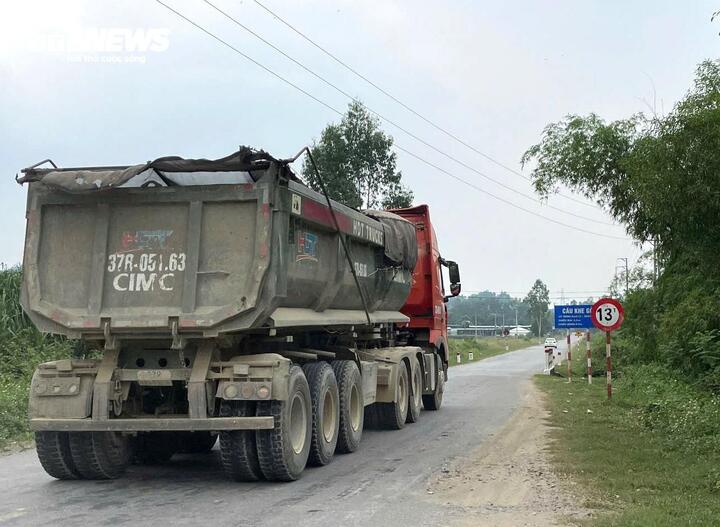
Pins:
x: 508, y: 481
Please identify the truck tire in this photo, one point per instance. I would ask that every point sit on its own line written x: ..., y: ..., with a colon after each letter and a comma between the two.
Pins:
x: 325, y: 412
x: 352, y: 407
x: 283, y: 451
x: 433, y: 401
x: 196, y: 442
x: 100, y: 455
x: 53, y: 450
x: 371, y: 418
x: 238, y: 450
x: 155, y: 448
x: 392, y: 416
x: 415, y: 395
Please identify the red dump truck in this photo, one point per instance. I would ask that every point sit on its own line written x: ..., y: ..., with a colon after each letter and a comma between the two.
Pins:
x: 225, y: 298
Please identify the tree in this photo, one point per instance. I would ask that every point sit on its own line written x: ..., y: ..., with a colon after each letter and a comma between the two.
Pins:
x: 538, y: 299
x: 356, y: 161
x: 660, y: 176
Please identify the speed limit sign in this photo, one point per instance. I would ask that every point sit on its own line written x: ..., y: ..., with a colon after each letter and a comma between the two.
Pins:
x: 607, y: 314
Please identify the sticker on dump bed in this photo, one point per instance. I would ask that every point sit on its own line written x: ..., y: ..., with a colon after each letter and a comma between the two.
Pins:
x: 134, y: 241
x: 306, y: 246
x: 296, y: 205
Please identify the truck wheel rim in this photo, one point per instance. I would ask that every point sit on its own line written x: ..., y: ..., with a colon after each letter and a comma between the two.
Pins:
x: 417, y: 388
x: 329, y: 417
x: 402, y: 394
x: 355, y: 409
x: 298, y: 423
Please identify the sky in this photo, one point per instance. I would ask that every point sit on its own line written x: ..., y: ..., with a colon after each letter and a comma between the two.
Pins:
x: 494, y: 73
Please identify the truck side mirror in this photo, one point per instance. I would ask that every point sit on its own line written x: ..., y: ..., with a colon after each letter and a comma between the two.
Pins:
x: 454, y: 273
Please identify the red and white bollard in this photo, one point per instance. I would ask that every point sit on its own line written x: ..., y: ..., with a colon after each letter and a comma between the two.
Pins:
x: 589, y: 356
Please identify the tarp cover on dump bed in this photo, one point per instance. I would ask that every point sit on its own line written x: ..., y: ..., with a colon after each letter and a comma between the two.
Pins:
x: 85, y: 180
x: 400, y: 239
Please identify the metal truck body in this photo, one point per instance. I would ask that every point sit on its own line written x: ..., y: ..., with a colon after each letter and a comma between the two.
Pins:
x: 222, y: 297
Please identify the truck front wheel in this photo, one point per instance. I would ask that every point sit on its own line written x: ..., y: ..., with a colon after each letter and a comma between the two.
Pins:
x: 433, y: 401
x: 352, y: 414
x: 283, y: 451
x: 393, y: 415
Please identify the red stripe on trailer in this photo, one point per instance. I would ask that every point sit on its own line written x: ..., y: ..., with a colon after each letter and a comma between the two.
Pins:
x: 319, y: 213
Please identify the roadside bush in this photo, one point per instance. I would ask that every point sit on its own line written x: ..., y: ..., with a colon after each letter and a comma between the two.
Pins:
x: 22, y: 348
x: 687, y: 418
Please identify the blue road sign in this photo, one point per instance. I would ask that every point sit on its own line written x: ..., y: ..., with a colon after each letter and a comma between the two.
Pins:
x: 573, y: 317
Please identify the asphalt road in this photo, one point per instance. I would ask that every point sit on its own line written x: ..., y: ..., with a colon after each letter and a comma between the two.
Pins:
x: 382, y: 484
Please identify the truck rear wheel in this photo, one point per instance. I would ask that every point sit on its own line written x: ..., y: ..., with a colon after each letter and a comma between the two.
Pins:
x: 433, y: 401
x: 53, y: 450
x: 100, y: 455
x: 238, y: 450
x: 415, y: 396
x: 352, y: 407
x: 393, y: 415
x: 325, y: 412
x: 283, y: 451
x: 155, y: 448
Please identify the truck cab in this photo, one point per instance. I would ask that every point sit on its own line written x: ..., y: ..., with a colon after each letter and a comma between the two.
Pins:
x: 426, y: 305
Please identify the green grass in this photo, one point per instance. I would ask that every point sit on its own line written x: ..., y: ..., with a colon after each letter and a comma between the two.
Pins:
x: 484, y: 347
x: 22, y: 348
x: 649, y: 457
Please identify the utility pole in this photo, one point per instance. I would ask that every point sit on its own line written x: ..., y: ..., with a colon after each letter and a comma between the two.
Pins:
x: 516, y: 324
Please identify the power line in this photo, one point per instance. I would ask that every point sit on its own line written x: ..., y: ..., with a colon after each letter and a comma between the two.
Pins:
x: 393, y: 123
x: 408, y: 108
x: 472, y: 185
x: 326, y: 105
x: 500, y: 292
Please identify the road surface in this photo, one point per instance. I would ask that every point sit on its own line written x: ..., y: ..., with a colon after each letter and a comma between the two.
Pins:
x: 384, y: 483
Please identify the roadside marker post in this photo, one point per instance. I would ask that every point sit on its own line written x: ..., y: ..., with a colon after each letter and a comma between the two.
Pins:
x: 589, y: 356
x: 569, y: 357
x: 608, y: 364
x: 470, y: 355
x: 608, y: 315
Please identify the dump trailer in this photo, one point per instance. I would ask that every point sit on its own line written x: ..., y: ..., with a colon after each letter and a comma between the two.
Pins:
x: 225, y: 298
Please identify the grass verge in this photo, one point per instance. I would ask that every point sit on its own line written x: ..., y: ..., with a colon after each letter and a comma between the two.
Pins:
x: 22, y: 348
x: 483, y: 348
x: 649, y: 457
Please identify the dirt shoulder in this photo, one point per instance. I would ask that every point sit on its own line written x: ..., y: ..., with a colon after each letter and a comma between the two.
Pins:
x: 508, y: 482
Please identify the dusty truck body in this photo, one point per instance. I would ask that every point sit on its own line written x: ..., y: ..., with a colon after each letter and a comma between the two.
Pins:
x: 225, y: 298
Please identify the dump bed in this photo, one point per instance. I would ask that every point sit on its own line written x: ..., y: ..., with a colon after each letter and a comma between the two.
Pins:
x: 203, y: 247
